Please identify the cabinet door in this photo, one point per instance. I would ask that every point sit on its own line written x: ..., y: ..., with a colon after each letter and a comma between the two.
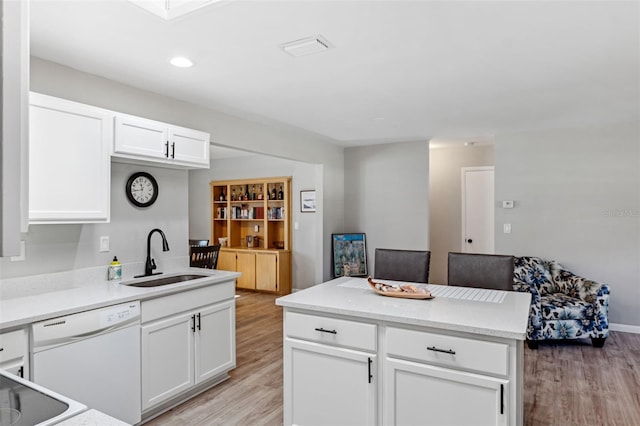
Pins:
x: 188, y: 146
x: 246, y: 264
x: 324, y: 385
x: 69, y: 162
x: 167, y: 358
x: 423, y: 394
x: 14, y: 352
x: 227, y: 260
x: 137, y: 136
x: 215, y: 346
x: 267, y: 271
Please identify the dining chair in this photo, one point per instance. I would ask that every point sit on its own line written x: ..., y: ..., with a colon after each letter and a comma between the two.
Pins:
x: 491, y: 271
x: 402, y: 265
x: 204, y: 256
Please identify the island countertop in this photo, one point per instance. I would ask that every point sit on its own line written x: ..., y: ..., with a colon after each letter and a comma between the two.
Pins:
x: 506, y: 318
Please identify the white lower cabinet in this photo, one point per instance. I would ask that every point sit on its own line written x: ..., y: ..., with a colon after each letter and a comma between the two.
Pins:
x: 14, y: 352
x: 330, y: 386
x: 429, y: 376
x: 421, y: 394
x: 184, y: 350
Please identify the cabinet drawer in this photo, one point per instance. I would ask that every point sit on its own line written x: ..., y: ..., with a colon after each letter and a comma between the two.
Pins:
x: 331, y: 331
x: 13, y: 345
x: 450, y: 351
x: 191, y: 299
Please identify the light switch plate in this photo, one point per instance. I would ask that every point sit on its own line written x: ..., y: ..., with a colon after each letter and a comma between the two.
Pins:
x: 104, y: 244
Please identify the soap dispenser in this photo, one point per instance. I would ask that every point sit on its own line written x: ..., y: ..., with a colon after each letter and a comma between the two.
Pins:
x: 115, y: 270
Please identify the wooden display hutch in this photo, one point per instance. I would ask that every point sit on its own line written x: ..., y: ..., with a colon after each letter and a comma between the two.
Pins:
x: 259, y: 209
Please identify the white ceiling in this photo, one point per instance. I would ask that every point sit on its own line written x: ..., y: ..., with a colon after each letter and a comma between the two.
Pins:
x: 399, y: 70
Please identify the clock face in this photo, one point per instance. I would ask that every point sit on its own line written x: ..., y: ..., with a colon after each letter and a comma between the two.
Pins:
x: 142, y: 189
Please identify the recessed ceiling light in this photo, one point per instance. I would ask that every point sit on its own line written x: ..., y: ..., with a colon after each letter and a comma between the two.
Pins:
x: 181, y: 62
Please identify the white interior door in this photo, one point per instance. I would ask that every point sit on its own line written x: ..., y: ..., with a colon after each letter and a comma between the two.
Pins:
x: 477, y: 210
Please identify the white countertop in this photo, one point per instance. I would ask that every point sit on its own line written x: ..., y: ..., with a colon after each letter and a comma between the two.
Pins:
x: 92, y: 418
x: 29, y: 299
x: 353, y: 297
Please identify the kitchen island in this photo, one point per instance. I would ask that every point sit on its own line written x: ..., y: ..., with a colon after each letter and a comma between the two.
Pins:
x: 353, y: 357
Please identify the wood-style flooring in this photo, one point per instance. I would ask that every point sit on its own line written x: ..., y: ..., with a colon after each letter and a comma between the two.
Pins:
x: 565, y: 383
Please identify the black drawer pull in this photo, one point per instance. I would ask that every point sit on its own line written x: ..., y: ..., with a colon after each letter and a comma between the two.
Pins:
x: 326, y: 331
x: 446, y: 351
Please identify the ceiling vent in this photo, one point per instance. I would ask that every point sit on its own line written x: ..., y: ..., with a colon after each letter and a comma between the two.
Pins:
x: 306, y: 46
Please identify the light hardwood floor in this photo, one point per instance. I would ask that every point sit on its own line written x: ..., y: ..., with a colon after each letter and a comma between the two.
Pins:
x: 565, y: 384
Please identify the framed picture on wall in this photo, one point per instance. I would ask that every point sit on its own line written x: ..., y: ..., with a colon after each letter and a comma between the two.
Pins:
x: 349, y: 255
x: 308, y: 201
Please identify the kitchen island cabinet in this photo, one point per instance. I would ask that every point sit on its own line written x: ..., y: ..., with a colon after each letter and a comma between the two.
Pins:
x: 445, y: 361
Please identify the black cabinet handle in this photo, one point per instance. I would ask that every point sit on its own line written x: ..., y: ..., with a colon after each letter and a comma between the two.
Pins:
x: 193, y: 323
x: 199, y: 321
x: 1, y: 349
x: 326, y: 331
x: 173, y: 150
x: 469, y: 240
x: 370, y: 375
x: 501, y: 399
x: 21, y: 372
x: 166, y: 146
x: 446, y: 351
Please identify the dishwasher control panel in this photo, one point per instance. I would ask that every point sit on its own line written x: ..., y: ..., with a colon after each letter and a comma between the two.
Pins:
x: 84, y: 325
x: 120, y: 313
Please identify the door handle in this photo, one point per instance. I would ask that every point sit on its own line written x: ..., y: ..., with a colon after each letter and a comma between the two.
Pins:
x: 199, y: 321
x: 173, y: 150
x: 166, y: 147
x: 193, y: 323
x: 370, y: 375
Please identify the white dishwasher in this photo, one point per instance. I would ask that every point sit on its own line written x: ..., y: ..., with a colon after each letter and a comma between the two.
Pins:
x: 92, y: 357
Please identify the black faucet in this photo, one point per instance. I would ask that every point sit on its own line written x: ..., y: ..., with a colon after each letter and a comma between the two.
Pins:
x: 150, y: 264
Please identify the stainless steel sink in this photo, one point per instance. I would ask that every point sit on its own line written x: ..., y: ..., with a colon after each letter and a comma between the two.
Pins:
x: 156, y: 282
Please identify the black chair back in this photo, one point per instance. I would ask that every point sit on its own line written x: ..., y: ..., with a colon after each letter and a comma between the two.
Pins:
x: 402, y: 265
x: 204, y: 256
x: 491, y: 271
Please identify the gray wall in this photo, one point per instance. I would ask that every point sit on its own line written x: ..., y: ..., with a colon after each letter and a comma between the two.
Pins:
x: 445, y: 201
x: 57, y: 80
x: 57, y: 248
x: 307, y: 265
x: 577, y: 200
x: 386, y: 195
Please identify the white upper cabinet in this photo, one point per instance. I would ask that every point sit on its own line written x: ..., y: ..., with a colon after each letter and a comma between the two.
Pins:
x: 69, y: 161
x: 142, y: 139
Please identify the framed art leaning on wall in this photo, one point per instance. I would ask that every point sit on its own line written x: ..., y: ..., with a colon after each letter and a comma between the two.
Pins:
x: 349, y: 255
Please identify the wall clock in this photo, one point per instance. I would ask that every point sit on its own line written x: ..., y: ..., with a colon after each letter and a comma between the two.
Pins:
x: 142, y: 189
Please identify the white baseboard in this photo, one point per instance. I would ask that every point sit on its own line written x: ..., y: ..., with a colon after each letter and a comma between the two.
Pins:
x: 625, y: 328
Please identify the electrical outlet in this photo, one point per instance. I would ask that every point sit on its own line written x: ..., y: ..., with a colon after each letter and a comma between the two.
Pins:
x: 104, y: 244
x: 506, y: 228
x: 507, y: 204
